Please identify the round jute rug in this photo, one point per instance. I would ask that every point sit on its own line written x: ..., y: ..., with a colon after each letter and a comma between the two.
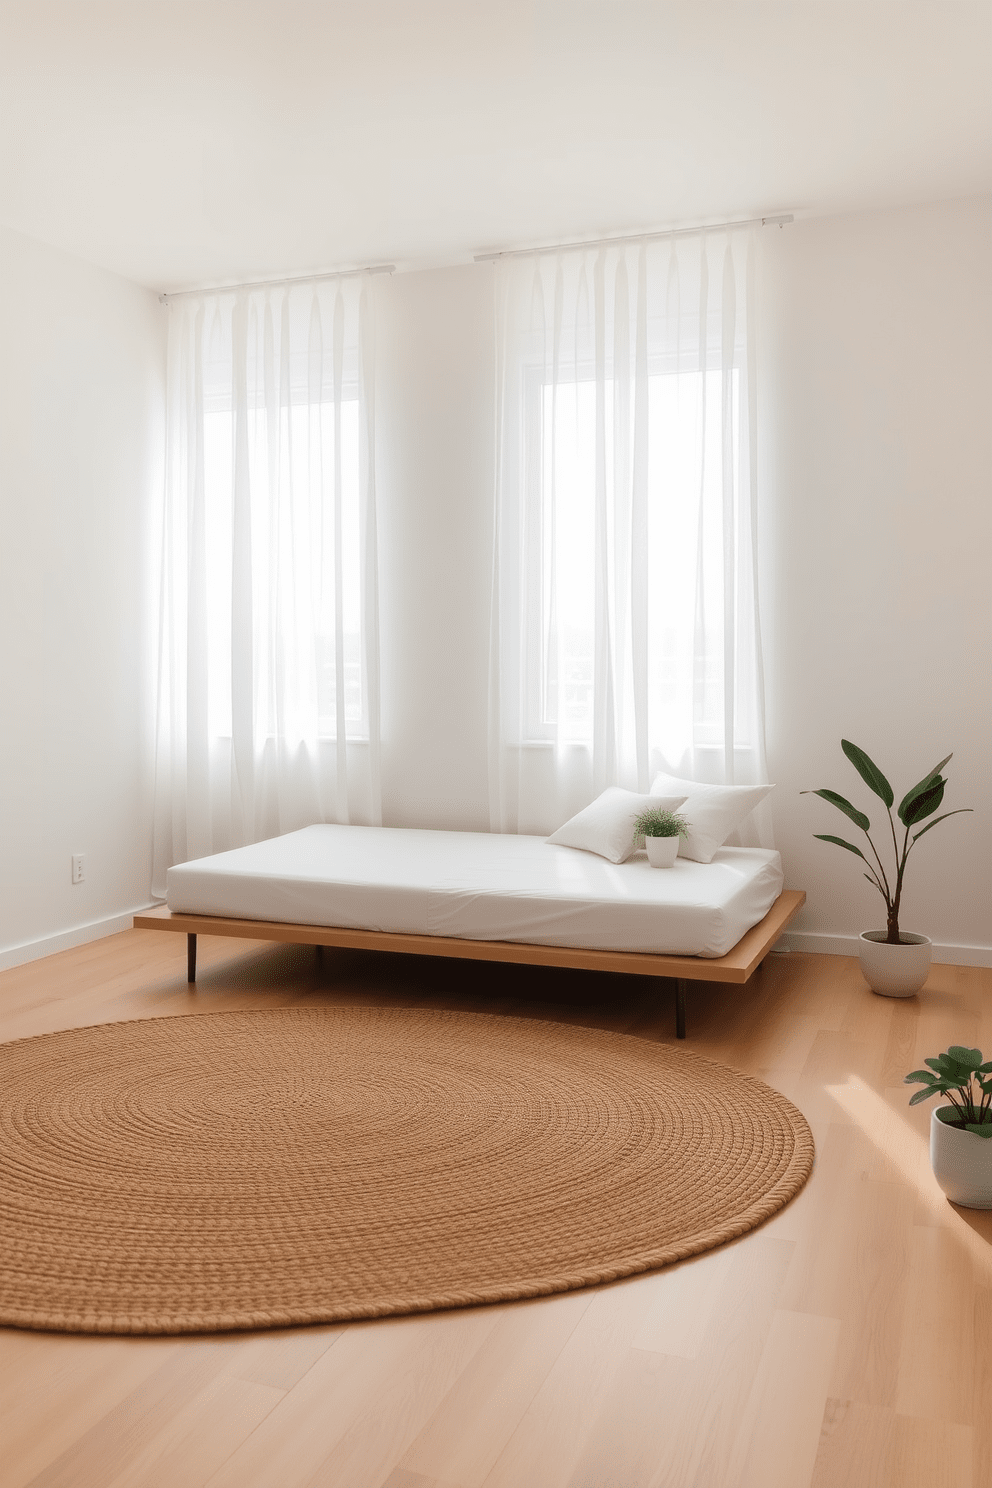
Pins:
x: 255, y: 1169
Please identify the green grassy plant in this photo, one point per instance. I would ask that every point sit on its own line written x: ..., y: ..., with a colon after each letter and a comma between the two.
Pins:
x: 657, y: 822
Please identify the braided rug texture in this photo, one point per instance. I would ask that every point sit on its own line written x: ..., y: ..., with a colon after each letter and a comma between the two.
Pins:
x: 257, y: 1169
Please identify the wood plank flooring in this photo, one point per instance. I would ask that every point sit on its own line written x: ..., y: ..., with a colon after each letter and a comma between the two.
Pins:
x: 845, y: 1344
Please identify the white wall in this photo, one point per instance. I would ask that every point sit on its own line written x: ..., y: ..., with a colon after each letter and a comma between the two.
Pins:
x: 435, y: 441
x: 82, y: 357
x: 876, y: 517
x: 876, y: 520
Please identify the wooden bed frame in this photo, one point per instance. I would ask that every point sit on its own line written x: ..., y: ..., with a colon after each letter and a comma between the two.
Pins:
x: 736, y: 966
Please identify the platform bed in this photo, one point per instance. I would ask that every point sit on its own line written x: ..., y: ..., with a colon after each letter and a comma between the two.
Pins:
x: 737, y: 966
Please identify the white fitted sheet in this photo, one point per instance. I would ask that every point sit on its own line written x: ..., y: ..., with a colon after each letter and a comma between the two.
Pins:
x: 482, y: 886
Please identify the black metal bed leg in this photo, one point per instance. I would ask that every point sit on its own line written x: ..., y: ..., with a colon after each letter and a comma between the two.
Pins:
x: 191, y: 958
x: 680, y: 990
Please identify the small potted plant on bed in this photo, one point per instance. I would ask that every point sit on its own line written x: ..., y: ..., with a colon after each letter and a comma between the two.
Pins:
x: 960, y: 1133
x: 661, y: 831
x: 894, y: 962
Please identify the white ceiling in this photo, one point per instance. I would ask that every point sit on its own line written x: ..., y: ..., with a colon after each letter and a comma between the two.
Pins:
x: 189, y: 143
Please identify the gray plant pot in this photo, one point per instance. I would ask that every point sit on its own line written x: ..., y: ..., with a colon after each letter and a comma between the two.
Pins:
x: 895, y: 970
x: 961, y: 1162
x: 662, y: 851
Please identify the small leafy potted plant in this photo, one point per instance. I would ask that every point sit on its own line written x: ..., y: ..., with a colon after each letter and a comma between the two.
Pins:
x: 960, y: 1133
x: 894, y: 962
x: 661, y: 831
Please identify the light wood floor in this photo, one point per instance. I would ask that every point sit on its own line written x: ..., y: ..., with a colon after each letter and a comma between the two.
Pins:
x: 847, y: 1342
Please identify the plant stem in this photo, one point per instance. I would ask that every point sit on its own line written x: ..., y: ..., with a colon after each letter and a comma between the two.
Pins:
x: 971, y: 1099
x: 884, y: 892
x: 892, y: 829
x: 892, y: 928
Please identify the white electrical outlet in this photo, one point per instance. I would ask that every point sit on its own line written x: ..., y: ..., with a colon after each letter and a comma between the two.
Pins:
x: 77, y: 868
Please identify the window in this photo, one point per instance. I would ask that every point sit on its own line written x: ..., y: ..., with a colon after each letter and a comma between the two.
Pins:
x: 684, y: 493
x: 295, y: 572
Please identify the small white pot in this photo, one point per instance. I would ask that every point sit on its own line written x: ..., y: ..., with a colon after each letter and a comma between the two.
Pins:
x: 895, y: 970
x: 662, y: 851
x: 961, y: 1162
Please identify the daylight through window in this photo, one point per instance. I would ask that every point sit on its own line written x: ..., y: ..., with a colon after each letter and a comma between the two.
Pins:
x: 685, y: 503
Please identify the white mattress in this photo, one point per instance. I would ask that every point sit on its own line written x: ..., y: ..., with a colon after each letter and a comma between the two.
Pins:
x: 482, y: 886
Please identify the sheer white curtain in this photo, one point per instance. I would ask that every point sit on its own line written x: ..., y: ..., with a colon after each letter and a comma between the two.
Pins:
x: 268, y: 684
x: 624, y: 629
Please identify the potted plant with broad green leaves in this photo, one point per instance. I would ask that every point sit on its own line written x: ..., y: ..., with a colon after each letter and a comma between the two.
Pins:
x: 895, y: 962
x: 960, y: 1132
x: 661, y: 831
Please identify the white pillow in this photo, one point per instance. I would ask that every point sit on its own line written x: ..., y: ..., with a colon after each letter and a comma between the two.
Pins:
x: 607, y: 826
x: 712, y: 811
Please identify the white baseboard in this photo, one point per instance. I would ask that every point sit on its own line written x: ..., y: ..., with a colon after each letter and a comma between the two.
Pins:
x: 847, y: 945
x: 64, y: 940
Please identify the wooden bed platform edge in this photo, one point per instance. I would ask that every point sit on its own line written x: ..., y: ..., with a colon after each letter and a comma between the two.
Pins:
x: 736, y: 966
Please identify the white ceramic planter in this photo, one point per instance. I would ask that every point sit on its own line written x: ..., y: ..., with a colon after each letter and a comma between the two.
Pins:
x: 662, y: 851
x: 895, y: 970
x: 961, y: 1162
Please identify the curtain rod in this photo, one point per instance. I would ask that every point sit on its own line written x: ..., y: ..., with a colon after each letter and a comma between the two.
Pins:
x: 782, y: 220
x: 677, y: 232
x: 181, y: 294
